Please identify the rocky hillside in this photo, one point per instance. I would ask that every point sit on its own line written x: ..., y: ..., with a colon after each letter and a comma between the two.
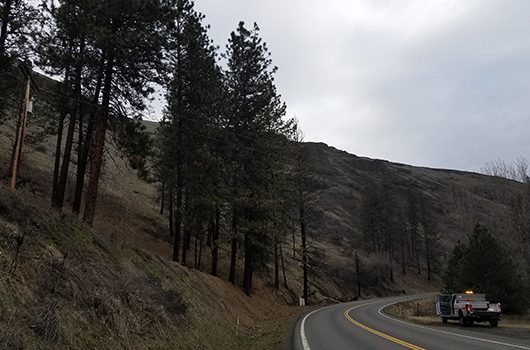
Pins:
x: 458, y: 201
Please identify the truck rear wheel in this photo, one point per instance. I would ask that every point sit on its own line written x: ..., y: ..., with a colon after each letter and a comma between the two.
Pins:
x: 444, y: 319
x: 462, y: 320
x: 494, y: 323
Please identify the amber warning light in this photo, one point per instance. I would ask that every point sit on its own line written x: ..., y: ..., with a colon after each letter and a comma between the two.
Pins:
x: 469, y: 292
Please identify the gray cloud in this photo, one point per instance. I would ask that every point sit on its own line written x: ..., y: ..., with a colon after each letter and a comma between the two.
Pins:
x: 437, y: 83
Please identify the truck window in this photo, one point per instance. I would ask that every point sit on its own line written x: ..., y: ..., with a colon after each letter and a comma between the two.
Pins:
x: 471, y: 297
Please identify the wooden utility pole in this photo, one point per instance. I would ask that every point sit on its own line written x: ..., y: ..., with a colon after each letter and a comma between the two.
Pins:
x: 21, y: 133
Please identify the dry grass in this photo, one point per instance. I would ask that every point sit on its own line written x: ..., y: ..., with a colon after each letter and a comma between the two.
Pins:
x: 111, y: 287
x: 77, y: 289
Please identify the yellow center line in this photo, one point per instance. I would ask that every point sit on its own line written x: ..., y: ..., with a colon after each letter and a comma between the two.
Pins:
x: 381, y: 334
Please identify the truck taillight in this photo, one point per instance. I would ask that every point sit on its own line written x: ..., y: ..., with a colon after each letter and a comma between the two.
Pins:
x: 469, y: 308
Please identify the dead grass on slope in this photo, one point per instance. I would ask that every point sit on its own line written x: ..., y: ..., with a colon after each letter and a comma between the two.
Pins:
x: 111, y: 286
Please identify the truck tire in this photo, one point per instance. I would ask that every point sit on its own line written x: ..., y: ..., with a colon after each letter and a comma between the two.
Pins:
x: 461, y: 318
x: 494, y: 323
x: 444, y: 319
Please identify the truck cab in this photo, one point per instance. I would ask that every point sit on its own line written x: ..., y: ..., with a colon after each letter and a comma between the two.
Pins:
x: 468, y: 308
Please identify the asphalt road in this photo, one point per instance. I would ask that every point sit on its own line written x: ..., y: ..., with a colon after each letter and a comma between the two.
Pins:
x: 363, y: 325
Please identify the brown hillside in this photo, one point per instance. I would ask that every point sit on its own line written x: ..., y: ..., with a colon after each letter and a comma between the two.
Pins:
x: 459, y: 200
x: 112, y: 286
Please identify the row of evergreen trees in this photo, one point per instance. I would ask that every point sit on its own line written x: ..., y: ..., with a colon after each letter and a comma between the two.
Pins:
x: 224, y: 160
x: 404, y: 233
x: 223, y: 155
x: 485, y: 265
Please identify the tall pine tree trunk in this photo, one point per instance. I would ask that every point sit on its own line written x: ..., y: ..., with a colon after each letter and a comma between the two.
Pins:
x: 171, y: 214
x: 178, y: 221
x: 65, y: 165
x: 294, y: 238
x: 247, y: 265
x: 186, y: 238
x: 233, y: 261
x: 179, y: 160
x: 233, y: 252
x: 358, y: 275
x: 80, y: 137
x: 184, y: 250
x: 199, y: 260
x: 162, y: 198
x: 99, y: 145
x: 428, y: 255
x: 87, y: 144
x: 57, y: 162
x: 412, y: 245
x: 283, y: 268
x: 305, y: 260
x: 215, y: 242
x: 391, y: 263
x: 209, y: 232
x: 276, y: 264
x: 178, y: 211
x: 403, y: 267
x: 417, y: 258
x: 195, y: 255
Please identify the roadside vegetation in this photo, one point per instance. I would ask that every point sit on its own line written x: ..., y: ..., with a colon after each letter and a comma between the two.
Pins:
x: 64, y: 285
x: 224, y: 156
x: 483, y: 265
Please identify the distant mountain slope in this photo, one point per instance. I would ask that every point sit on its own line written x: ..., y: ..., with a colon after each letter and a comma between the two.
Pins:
x: 458, y: 201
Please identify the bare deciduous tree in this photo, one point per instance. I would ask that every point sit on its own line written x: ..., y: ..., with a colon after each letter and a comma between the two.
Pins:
x: 517, y: 170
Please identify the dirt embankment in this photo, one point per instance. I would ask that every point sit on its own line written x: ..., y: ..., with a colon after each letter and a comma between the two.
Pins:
x: 113, y: 286
x: 63, y: 285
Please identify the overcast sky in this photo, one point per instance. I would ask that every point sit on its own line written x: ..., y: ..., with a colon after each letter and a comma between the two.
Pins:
x: 436, y: 83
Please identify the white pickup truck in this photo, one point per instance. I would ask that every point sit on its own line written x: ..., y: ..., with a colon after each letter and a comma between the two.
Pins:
x: 468, y: 308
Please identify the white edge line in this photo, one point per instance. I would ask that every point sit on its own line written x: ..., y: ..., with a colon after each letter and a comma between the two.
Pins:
x: 445, y: 332
x: 305, y: 343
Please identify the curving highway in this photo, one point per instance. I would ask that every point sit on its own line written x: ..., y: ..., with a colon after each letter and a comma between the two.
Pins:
x: 363, y: 325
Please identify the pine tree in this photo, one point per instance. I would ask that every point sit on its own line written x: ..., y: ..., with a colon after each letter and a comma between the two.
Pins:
x: 302, y: 193
x: 430, y: 238
x: 453, y: 272
x: 189, y: 160
x: 129, y: 36
x: 495, y: 274
x: 67, y: 49
x: 255, y: 122
x: 413, y: 223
